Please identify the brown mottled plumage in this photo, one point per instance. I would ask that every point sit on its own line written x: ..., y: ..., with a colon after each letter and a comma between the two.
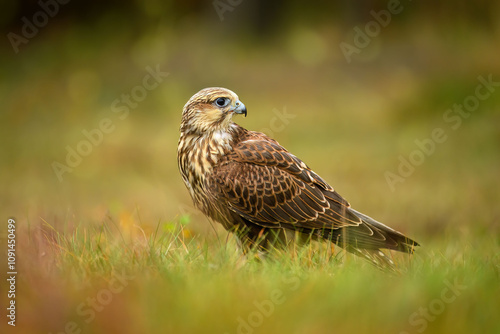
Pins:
x: 257, y: 189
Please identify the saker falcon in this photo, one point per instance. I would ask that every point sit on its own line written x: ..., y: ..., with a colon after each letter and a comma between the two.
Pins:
x: 261, y: 192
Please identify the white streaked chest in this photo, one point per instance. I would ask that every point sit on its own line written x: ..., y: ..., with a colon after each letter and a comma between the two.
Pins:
x: 201, y: 154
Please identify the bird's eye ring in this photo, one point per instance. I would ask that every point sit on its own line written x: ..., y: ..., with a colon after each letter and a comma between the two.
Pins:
x: 221, y: 102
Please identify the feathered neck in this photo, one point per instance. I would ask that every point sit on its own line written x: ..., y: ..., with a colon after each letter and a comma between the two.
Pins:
x: 199, y: 153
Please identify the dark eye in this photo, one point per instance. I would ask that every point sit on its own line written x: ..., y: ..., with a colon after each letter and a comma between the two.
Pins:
x: 221, y: 102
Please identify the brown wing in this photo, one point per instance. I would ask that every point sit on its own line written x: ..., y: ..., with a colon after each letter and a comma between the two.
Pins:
x: 269, y: 186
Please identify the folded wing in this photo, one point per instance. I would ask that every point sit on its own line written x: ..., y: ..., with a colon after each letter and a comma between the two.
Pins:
x: 267, y: 185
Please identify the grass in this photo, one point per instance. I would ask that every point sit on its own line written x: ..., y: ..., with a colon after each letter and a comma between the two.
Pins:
x: 102, y: 280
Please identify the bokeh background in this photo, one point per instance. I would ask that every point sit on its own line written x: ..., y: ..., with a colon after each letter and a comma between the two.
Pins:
x: 350, y: 119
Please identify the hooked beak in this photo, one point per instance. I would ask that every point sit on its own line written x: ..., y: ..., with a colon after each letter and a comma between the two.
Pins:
x: 239, y: 108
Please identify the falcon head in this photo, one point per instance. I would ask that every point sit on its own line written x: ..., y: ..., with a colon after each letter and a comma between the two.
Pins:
x: 211, y: 109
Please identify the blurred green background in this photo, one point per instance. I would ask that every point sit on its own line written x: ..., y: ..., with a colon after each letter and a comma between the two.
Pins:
x: 352, y: 119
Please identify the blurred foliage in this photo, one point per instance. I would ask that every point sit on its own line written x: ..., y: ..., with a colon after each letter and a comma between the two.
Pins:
x: 280, y: 57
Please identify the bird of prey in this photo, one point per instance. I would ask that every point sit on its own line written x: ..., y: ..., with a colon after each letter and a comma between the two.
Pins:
x: 264, y: 194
